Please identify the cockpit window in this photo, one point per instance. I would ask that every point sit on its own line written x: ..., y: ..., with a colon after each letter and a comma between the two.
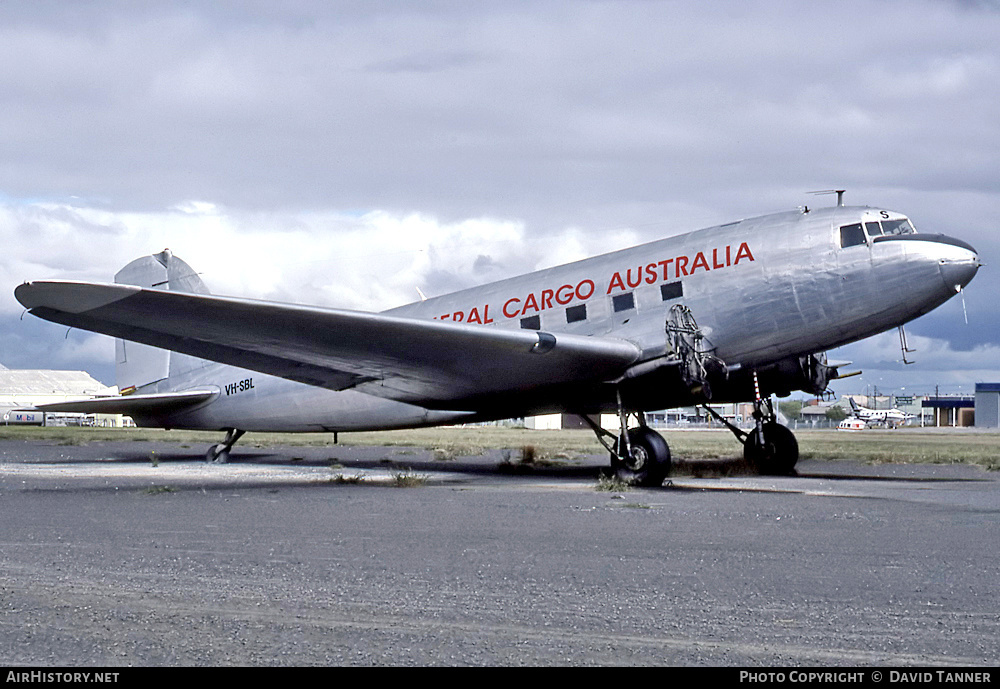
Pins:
x: 858, y: 233
x: 903, y: 226
x: 850, y: 235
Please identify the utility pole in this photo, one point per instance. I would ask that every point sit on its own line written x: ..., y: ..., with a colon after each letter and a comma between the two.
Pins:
x: 937, y: 408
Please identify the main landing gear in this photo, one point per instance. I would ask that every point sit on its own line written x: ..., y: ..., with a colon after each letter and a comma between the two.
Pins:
x: 769, y: 448
x: 644, y: 459
x: 640, y: 455
x: 219, y: 453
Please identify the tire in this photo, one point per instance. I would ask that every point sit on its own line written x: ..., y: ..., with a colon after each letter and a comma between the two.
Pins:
x: 649, y: 463
x: 779, y: 453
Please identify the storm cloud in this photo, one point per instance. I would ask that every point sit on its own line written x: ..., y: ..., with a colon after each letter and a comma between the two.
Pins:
x: 349, y: 153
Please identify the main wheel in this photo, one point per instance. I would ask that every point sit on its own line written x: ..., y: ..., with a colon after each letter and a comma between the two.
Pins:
x: 649, y: 462
x: 779, y: 453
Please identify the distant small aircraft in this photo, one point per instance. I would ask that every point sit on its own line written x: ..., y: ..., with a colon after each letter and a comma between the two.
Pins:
x: 883, y: 417
x: 731, y: 313
x: 852, y: 423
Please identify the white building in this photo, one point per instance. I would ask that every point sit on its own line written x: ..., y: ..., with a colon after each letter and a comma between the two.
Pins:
x: 26, y: 388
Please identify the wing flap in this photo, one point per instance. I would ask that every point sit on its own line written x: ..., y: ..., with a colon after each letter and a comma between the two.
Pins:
x: 420, y: 361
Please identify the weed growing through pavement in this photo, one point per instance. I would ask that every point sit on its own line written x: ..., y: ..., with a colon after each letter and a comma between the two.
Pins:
x: 405, y: 478
x: 342, y: 479
x: 612, y: 484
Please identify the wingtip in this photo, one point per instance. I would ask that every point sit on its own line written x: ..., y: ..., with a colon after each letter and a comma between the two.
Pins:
x: 69, y: 297
x: 23, y: 294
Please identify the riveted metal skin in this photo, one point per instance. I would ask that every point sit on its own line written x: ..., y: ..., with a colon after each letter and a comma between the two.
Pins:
x: 766, y: 294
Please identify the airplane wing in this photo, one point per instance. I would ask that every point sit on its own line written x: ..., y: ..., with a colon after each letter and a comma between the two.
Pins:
x: 426, y: 362
x: 133, y: 405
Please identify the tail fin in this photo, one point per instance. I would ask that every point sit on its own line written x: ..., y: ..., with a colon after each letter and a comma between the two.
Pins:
x: 854, y: 405
x: 138, y: 365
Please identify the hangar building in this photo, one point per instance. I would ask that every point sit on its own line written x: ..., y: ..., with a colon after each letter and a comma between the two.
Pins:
x: 988, y: 405
x: 25, y: 388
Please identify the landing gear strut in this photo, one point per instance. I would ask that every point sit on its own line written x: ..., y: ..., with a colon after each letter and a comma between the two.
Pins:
x: 638, y: 455
x: 219, y: 453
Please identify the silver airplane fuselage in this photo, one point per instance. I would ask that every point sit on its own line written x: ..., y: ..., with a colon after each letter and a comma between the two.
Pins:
x: 766, y: 293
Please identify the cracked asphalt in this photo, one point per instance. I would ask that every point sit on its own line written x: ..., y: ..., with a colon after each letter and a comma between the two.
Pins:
x: 140, y: 554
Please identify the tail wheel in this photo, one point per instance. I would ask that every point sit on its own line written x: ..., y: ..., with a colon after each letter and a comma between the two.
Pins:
x: 217, y: 454
x: 648, y: 463
x: 779, y: 453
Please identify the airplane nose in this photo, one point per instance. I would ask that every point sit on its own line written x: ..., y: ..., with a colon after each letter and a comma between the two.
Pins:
x: 959, y: 265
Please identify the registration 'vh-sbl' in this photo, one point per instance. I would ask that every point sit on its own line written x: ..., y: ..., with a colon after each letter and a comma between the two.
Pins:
x: 738, y: 312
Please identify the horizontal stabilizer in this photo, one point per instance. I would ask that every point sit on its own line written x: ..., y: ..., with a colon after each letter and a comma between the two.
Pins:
x: 133, y: 405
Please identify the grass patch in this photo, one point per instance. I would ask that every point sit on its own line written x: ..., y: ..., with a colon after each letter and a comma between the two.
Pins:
x: 906, y: 445
x: 612, y: 484
x: 341, y: 479
x: 405, y: 478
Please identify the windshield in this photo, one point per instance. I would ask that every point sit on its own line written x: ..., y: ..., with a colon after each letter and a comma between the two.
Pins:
x: 858, y: 233
x: 901, y: 226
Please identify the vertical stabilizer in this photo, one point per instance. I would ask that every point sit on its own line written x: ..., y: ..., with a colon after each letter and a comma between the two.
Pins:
x: 138, y: 365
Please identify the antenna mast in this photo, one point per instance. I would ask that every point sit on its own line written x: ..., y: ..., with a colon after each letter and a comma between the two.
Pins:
x: 838, y: 192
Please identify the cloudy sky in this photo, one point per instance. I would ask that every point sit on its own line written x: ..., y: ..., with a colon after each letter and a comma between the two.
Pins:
x: 348, y: 153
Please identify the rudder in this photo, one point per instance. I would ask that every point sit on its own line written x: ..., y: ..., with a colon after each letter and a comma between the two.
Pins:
x: 138, y: 365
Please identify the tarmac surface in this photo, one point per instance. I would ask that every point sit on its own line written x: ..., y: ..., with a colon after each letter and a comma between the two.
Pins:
x: 126, y: 553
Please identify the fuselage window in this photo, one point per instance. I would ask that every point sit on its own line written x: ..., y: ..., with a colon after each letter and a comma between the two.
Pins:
x: 576, y: 313
x: 531, y: 323
x: 851, y: 235
x: 623, y: 302
x: 672, y: 290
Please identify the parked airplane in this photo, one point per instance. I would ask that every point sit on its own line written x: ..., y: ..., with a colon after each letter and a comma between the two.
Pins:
x: 852, y: 423
x: 884, y: 417
x: 731, y: 313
